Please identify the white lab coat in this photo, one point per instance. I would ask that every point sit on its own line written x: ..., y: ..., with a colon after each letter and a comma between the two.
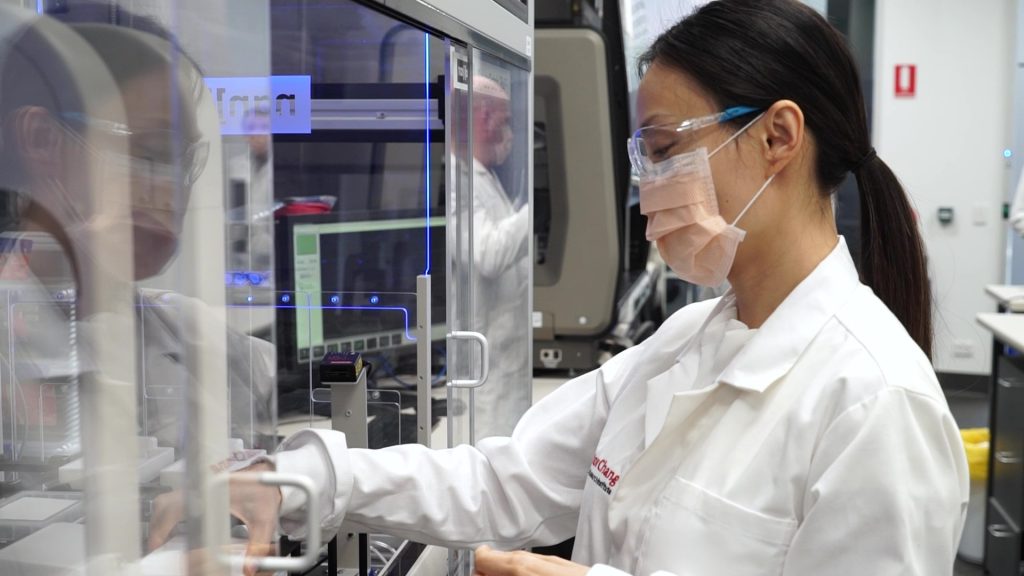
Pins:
x: 501, y: 265
x: 825, y: 447
x: 1017, y: 208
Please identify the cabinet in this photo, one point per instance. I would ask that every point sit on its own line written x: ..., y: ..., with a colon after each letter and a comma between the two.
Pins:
x: 1005, y: 510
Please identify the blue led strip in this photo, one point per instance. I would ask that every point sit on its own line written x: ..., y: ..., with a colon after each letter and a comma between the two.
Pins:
x: 405, y: 312
x: 426, y: 100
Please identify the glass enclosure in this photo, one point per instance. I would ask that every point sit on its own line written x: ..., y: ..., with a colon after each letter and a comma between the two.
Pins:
x: 130, y: 368
x: 209, y: 205
x: 492, y: 258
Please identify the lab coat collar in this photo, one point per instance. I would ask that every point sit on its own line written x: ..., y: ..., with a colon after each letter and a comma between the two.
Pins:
x: 773, y: 351
x: 479, y: 168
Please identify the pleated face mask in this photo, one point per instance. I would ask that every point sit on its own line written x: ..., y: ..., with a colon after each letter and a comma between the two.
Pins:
x: 678, y: 197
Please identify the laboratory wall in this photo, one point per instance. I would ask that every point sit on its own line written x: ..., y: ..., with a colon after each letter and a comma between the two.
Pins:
x: 1015, y: 243
x: 943, y: 126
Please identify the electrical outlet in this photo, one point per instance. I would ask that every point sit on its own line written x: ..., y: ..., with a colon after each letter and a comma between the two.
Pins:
x: 551, y: 357
x: 963, y: 349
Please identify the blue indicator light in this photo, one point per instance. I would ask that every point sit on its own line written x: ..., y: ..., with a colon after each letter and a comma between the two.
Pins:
x: 374, y: 299
x: 248, y: 298
x: 1007, y: 153
x: 335, y: 299
x: 255, y: 279
x: 239, y: 279
x: 286, y: 298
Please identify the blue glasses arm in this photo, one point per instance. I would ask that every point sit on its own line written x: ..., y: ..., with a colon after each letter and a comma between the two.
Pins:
x: 736, y: 112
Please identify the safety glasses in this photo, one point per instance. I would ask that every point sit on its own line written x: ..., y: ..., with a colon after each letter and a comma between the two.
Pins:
x: 652, y: 144
x: 155, y: 155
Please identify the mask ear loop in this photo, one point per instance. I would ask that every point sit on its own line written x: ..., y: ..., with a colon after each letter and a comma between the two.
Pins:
x: 754, y: 199
x: 737, y: 134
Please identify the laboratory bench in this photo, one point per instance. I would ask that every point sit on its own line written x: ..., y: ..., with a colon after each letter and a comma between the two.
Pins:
x: 1005, y: 507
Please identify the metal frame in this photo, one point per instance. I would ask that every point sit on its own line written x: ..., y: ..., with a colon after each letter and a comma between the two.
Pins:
x: 516, y: 7
x: 422, y: 15
x: 362, y: 114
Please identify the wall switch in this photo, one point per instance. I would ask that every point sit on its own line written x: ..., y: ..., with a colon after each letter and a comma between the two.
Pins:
x: 980, y: 213
x: 963, y: 349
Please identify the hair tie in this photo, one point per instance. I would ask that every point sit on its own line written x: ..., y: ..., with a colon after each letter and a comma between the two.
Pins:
x: 871, y: 155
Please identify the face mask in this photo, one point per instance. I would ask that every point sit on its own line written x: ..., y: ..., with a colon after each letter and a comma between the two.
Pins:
x: 679, y: 200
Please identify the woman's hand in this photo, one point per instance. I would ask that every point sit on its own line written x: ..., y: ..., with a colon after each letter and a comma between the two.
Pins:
x: 255, y: 504
x: 491, y: 562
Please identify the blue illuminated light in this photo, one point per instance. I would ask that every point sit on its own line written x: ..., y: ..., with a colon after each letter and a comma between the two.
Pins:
x: 255, y: 279
x: 248, y: 298
x: 426, y: 100
x: 286, y: 298
x: 374, y: 299
x: 335, y: 299
x: 239, y: 279
x: 409, y: 337
x: 1007, y: 153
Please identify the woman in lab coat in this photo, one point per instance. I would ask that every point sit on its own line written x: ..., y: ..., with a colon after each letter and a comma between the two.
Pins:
x: 795, y: 426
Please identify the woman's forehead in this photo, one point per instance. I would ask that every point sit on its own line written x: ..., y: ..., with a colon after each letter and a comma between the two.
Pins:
x: 667, y: 95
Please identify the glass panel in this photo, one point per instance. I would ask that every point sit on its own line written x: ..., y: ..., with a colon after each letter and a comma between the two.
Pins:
x: 460, y: 178
x: 502, y: 271
x: 129, y: 367
x: 488, y: 128
x: 360, y: 215
x: 361, y: 196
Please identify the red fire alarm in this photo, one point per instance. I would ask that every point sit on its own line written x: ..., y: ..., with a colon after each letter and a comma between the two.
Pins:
x: 906, y: 80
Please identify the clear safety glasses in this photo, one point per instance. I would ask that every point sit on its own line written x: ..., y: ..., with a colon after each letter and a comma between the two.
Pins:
x: 153, y: 152
x: 652, y: 144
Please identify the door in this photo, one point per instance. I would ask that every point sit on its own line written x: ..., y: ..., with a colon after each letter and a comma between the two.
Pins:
x: 490, y: 374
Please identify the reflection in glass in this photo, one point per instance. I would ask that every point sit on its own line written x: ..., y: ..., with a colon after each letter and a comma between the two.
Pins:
x: 123, y: 373
x: 501, y: 229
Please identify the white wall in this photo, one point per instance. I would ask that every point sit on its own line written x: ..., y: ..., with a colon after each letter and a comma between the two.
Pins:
x: 946, y: 146
x: 1015, y: 254
x: 819, y: 5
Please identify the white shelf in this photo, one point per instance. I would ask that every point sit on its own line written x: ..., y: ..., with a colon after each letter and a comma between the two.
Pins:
x: 1007, y: 328
x: 1010, y: 296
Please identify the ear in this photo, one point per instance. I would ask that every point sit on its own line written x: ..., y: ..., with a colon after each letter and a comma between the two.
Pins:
x: 783, y: 134
x: 37, y: 138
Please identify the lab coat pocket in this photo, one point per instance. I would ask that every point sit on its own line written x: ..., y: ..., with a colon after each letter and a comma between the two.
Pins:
x: 696, y: 533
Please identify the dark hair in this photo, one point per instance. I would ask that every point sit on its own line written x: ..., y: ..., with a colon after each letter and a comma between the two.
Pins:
x: 757, y: 52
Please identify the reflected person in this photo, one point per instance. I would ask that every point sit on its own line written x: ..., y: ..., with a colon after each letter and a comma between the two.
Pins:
x: 501, y: 229
x: 56, y: 151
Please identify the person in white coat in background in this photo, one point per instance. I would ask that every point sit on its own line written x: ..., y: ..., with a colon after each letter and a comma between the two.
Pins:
x: 1017, y: 207
x: 501, y: 264
x: 793, y: 427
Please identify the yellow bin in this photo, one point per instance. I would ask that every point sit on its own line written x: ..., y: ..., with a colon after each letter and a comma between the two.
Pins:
x: 972, y: 544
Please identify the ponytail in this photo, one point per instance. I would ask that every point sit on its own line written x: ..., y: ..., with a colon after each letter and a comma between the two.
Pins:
x: 893, y: 261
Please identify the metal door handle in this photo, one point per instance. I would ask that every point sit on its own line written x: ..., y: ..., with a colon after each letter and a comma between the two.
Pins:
x: 1003, y: 382
x: 1000, y: 531
x: 1007, y: 457
x: 321, y: 395
x: 275, y: 563
x: 485, y: 359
